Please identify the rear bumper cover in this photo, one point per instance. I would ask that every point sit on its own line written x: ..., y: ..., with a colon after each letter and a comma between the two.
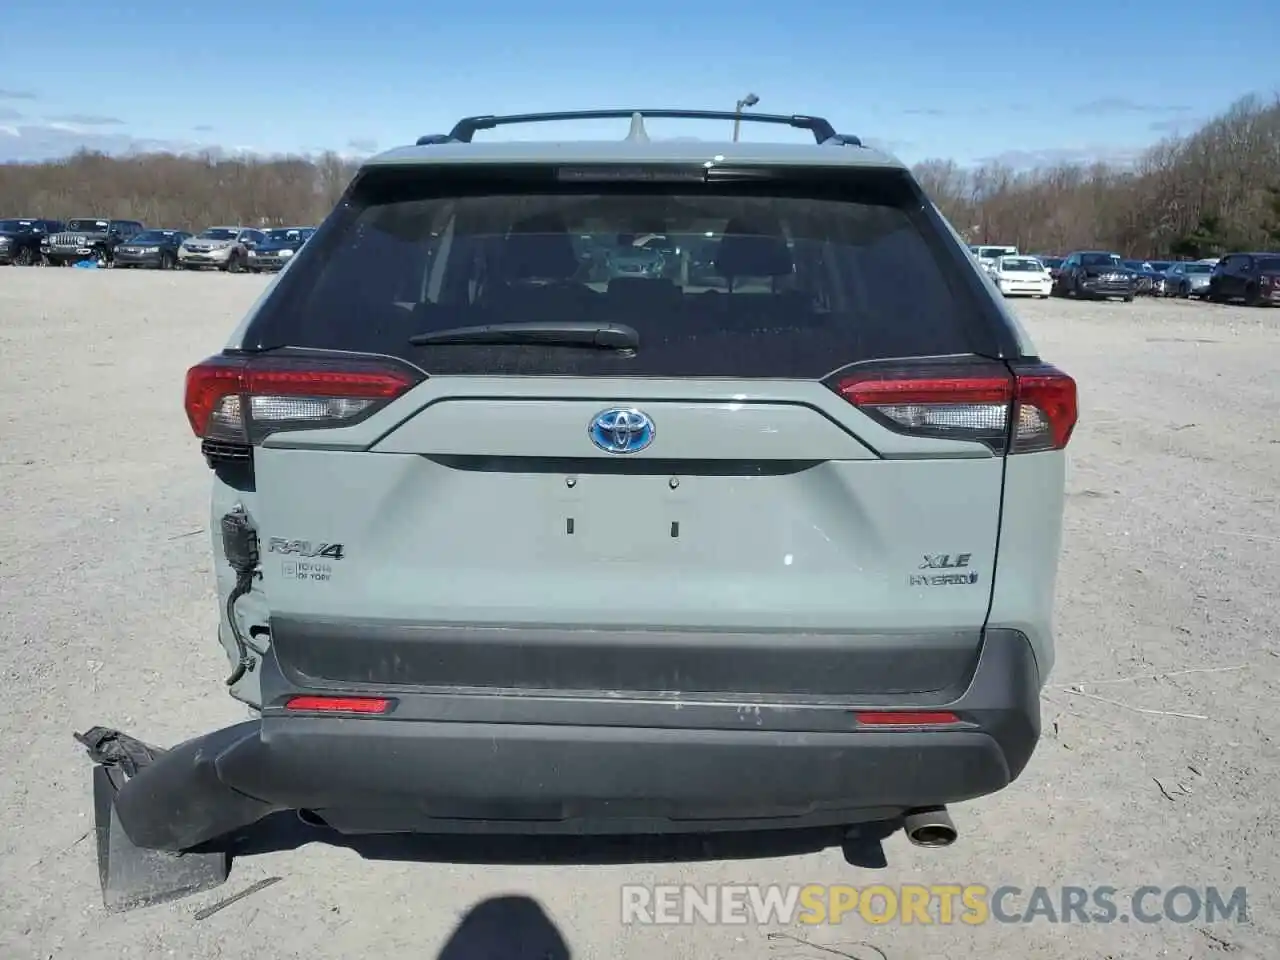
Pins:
x: 508, y: 773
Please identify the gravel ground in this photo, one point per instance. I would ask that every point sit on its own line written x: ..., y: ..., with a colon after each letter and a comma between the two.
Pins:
x: 1169, y: 577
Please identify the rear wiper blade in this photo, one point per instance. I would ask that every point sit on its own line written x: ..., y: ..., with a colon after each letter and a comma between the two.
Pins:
x: 576, y: 333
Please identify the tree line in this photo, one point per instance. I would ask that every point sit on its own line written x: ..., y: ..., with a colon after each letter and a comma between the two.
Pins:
x: 1204, y: 194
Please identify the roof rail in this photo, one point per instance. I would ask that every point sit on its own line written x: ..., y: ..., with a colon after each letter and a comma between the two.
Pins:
x: 466, y: 128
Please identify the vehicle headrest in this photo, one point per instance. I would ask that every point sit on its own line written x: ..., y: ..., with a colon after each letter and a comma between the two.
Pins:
x: 753, y: 248
x: 539, y: 248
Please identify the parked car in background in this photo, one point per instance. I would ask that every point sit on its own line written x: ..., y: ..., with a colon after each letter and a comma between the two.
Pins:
x: 630, y: 258
x: 988, y: 254
x: 157, y: 249
x: 1096, y: 275
x: 1187, y: 279
x: 1052, y: 264
x: 1251, y: 277
x: 1149, y: 280
x: 278, y: 246
x: 20, y: 239
x: 88, y: 238
x: 220, y: 248
x: 1022, y: 277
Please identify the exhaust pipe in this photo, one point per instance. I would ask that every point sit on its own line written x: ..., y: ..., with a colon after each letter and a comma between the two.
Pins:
x: 929, y: 827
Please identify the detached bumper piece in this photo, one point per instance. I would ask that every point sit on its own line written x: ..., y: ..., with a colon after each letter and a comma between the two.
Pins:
x: 133, y: 876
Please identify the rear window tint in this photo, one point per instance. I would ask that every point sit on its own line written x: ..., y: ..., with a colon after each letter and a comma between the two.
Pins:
x: 768, y: 278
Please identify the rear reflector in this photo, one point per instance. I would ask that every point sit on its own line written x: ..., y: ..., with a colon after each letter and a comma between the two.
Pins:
x: 969, y: 401
x: 339, y: 704
x: 905, y: 718
x: 242, y: 400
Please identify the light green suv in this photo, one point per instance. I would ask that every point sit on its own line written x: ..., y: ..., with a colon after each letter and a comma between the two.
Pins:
x: 505, y: 545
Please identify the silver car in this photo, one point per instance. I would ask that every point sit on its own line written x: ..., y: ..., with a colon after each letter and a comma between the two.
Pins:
x: 501, y: 548
x: 219, y: 248
x: 1188, y: 279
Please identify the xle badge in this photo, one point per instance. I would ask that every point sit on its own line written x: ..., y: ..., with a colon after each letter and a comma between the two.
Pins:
x: 944, y: 561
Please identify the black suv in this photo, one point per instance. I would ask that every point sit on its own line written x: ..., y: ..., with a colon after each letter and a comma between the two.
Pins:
x: 151, y: 248
x: 89, y: 238
x: 1251, y: 277
x: 1095, y: 275
x: 20, y: 239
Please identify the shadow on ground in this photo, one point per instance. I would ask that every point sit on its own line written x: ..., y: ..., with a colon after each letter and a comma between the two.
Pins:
x: 506, y: 928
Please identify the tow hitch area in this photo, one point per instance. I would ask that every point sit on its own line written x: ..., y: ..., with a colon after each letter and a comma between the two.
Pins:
x: 132, y: 876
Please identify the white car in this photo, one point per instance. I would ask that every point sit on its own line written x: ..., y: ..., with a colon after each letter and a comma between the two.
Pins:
x: 1022, y: 277
x: 988, y: 255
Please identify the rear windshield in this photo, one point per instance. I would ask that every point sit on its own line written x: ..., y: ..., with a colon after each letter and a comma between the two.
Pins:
x: 1269, y: 264
x: 88, y: 226
x: 153, y: 236
x: 763, y: 279
x: 1100, y: 260
x: 1021, y: 264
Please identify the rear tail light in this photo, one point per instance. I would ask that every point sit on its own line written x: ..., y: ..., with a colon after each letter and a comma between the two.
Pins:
x: 235, y: 402
x: 1023, y: 409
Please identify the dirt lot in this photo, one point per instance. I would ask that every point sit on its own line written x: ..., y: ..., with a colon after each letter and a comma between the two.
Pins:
x: 1161, y: 768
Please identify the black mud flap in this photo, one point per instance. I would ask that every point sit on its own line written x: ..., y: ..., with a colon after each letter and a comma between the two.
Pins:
x: 132, y: 876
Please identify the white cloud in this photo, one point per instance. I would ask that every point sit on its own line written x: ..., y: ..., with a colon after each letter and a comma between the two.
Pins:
x: 34, y: 142
x: 88, y: 120
x: 1027, y: 159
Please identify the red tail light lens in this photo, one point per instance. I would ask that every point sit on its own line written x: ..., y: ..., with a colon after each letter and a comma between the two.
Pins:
x: 906, y: 718
x: 970, y: 401
x: 338, y: 704
x: 241, y: 400
x: 1046, y: 409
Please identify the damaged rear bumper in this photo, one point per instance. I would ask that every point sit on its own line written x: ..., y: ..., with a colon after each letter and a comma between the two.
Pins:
x: 499, y: 774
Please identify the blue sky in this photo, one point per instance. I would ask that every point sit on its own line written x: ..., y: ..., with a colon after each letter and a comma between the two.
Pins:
x: 961, y: 79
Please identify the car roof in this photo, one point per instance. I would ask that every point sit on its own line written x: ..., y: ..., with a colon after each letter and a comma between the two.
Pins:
x: 657, y: 151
